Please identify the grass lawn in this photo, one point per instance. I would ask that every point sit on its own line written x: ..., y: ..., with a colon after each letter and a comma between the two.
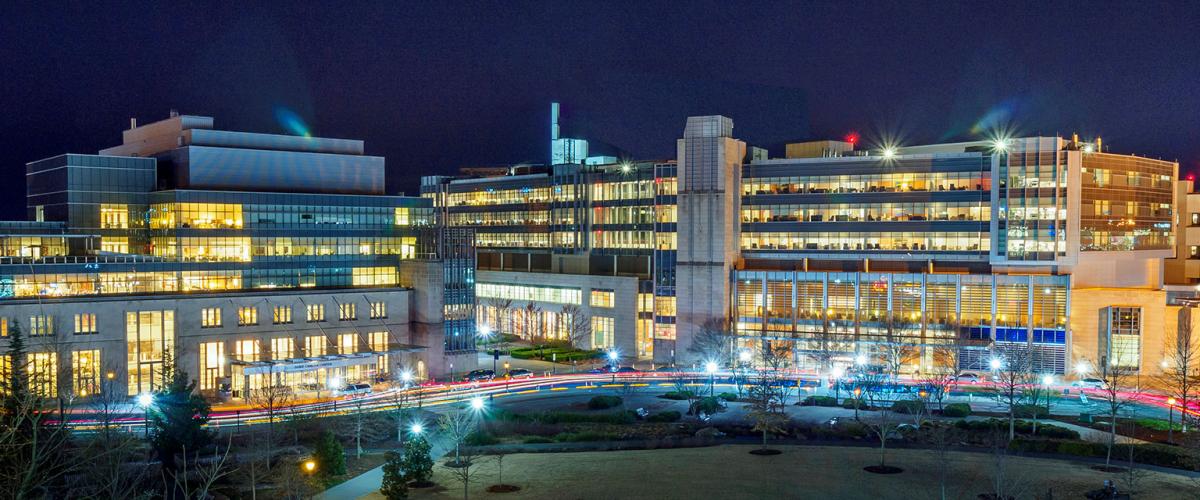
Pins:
x: 800, y: 472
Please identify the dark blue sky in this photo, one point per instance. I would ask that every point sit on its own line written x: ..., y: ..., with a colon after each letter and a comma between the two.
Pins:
x: 434, y: 86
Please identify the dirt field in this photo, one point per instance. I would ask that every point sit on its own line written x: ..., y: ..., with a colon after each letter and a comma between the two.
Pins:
x: 800, y: 472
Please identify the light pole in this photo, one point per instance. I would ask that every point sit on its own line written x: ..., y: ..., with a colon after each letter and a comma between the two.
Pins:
x: 711, y: 368
x: 837, y: 382
x: 1171, y: 420
x: 614, y: 359
x: 486, y: 333
x: 145, y: 400
x: 744, y: 358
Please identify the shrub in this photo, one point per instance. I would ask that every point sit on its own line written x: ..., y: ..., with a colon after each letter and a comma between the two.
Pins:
x: 819, y: 401
x: 480, y: 439
x: 604, y: 402
x: 558, y: 417
x: 709, y: 405
x: 728, y: 396
x: 956, y: 410
x: 852, y: 403
x: 1156, y: 424
x: 394, y: 486
x: 664, y: 416
x: 583, y: 436
x: 910, y: 406
x: 678, y: 395
x: 537, y: 440
x: 417, y: 464
x: 1030, y: 411
x: 330, y: 457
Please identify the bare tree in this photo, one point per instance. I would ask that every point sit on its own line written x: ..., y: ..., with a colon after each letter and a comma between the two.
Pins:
x: 464, y: 468
x: 767, y: 393
x: 713, y: 342
x: 942, y: 439
x: 400, y: 398
x: 577, y: 325
x: 207, y: 472
x: 504, y: 308
x: 362, y: 426
x: 33, y: 458
x: 824, y: 346
x: 1013, y: 370
x: 529, y: 315
x: 1121, y: 388
x: 1182, y: 372
x: 939, y: 378
x: 272, y: 399
x: 877, y: 388
x: 457, y: 426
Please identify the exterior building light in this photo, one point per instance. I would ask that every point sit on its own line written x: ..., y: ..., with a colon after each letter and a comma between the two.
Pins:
x: 889, y: 153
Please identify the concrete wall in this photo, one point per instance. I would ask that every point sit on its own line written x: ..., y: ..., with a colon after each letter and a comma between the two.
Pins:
x: 709, y: 180
x: 1088, y: 305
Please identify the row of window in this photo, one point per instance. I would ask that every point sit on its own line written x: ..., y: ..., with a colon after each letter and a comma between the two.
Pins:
x: 879, y: 183
x: 210, y: 317
x: 921, y: 211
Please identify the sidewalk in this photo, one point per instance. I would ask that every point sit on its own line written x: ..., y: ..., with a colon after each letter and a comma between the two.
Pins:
x: 369, y: 482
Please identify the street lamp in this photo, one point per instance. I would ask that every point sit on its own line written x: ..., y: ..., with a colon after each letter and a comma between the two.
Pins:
x: 477, y: 403
x: 310, y: 466
x: 416, y: 429
x: 860, y: 360
x: 1082, y: 367
x: 837, y: 374
x: 711, y: 368
x: 145, y: 400
x: 406, y: 377
x: 1171, y: 420
x: 995, y: 363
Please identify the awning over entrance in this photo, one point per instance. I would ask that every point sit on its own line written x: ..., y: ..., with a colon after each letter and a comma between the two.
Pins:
x: 293, y: 365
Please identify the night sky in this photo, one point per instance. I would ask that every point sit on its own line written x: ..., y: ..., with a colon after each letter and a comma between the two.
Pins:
x: 440, y: 85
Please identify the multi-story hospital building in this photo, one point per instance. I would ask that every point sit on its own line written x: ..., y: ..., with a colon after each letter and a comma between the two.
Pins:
x: 248, y: 258
x: 1053, y: 245
x: 257, y: 259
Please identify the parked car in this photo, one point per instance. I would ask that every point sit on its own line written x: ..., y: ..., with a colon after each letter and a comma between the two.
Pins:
x: 666, y: 370
x: 628, y: 370
x: 519, y: 373
x: 355, y: 390
x: 966, y: 378
x: 1090, y: 383
x: 479, y: 376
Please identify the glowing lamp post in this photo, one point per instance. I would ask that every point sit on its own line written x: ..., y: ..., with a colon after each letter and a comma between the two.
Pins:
x: 711, y: 368
x: 1171, y: 419
x: 837, y: 374
x: 310, y: 466
x: 145, y: 400
x: 857, y: 400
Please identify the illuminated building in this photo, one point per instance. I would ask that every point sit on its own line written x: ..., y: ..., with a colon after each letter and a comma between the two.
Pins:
x: 1036, y: 244
x: 252, y: 258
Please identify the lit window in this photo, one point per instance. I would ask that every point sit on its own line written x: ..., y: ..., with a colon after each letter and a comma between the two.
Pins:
x: 347, y: 343
x: 378, y: 310
x: 212, y: 363
x: 41, y: 325
x: 246, y: 350
x: 210, y: 317
x: 247, y: 316
x: 347, y: 312
x: 1124, y: 335
x: 281, y: 315
x: 602, y: 332
x: 316, y: 312
x: 314, y: 346
x: 283, y: 348
x: 602, y: 298
x: 85, y: 324
x: 85, y: 372
x: 43, y: 373
x: 3, y: 327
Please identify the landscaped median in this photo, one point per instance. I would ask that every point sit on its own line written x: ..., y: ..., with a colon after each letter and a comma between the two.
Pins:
x: 556, y: 352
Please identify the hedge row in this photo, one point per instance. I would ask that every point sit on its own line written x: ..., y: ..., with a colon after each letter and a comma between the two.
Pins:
x: 1020, y: 426
x: 1150, y: 453
x: 819, y: 401
x: 957, y: 410
x: 604, y: 402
